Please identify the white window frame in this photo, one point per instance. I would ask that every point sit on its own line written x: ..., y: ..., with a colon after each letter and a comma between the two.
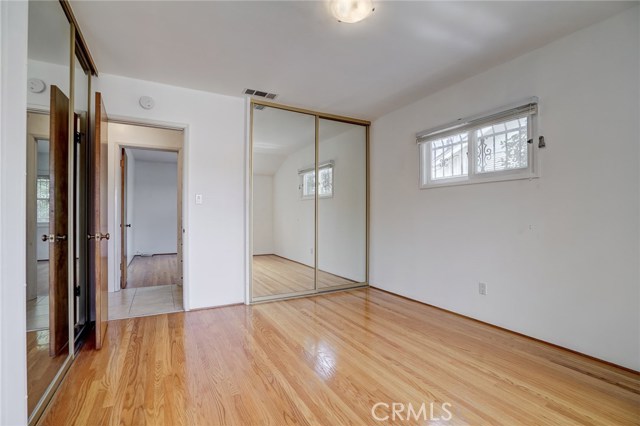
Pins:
x: 302, y: 173
x: 470, y: 125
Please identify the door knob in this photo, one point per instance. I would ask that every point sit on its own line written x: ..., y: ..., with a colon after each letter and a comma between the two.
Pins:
x: 128, y: 225
x: 52, y: 238
x: 99, y: 236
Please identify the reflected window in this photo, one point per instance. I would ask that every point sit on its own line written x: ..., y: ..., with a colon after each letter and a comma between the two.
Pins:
x: 42, y: 197
x: 325, y: 183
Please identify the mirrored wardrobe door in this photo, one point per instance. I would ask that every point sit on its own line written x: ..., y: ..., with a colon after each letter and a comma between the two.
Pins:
x: 283, y: 161
x: 49, y: 54
x: 80, y: 130
x: 342, y: 204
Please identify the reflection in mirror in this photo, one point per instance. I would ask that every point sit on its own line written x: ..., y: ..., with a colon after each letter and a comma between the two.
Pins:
x: 48, y: 71
x: 81, y: 101
x: 283, y: 202
x: 342, y: 200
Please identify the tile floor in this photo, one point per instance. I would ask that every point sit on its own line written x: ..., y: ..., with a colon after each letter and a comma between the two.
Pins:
x: 38, y: 313
x: 139, y: 302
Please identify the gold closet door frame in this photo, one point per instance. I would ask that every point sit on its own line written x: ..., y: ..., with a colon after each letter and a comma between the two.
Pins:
x: 318, y: 116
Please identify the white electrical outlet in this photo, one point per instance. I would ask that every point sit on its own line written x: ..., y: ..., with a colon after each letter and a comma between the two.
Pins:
x: 482, y: 288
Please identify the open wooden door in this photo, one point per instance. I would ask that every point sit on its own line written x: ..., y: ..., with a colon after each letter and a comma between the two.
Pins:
x: 58, y: 222
x: 124, y: 226
x: 99, y: 233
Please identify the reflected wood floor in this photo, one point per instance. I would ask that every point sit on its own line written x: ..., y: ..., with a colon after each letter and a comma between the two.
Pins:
x: 326, y: 360
x: 149, y: 271
x: 41, y: 368
x: 38, y: 308
x: 274, y: 274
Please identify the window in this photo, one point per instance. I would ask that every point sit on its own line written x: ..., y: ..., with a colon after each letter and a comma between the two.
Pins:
x: 490, y: 147
x: 42, y: 199
x: 325, y: 183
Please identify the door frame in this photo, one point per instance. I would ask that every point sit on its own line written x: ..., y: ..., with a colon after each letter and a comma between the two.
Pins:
x: 183, y: 190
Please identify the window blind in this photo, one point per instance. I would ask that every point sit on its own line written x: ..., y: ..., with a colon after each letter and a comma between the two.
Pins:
x: 312, y: 168
x: 528, y: 107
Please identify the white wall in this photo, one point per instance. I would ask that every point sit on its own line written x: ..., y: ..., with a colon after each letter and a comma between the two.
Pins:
x: 214, y: 163
x: 263, y: 214
x: 560, y: 253
x: 13, y: 161
x: 342, y: 218
x: 155, y: 213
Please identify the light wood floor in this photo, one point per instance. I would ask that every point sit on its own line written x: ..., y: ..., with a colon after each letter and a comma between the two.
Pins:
x: 41, y: 368
x: 273, y: 274
x: 156, y: 270
x: 326, y: 360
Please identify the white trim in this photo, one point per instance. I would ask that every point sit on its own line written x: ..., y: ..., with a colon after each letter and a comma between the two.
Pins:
x: 13, y: 168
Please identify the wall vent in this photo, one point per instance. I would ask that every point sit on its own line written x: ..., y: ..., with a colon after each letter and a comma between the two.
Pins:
x: 259, y: 93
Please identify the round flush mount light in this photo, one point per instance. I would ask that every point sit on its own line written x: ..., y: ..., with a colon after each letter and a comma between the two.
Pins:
x: 147, y: 102
x: 36, y: 85
x: 351, y: 11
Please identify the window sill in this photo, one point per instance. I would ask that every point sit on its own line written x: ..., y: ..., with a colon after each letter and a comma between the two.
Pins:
x: 313, y: 198
x: 458, y: 182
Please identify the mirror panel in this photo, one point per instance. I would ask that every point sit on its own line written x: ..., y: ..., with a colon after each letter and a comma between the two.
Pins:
x: 80, y: 122
x: 49, y: 54
x: 283, y: 154
x: 342, y: 204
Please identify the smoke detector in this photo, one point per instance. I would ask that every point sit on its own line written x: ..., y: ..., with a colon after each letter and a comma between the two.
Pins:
x: 36, y: 85
x: 147, y: 102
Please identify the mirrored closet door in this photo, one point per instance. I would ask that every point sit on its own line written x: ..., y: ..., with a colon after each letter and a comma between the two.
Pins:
x: 309, y: 202
x: 342, y: 204
x: 57, y: 132
x: 47, y: 256
x: 283, y: 202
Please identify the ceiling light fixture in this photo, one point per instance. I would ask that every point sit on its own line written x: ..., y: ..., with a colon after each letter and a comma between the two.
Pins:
x: 351, y: 11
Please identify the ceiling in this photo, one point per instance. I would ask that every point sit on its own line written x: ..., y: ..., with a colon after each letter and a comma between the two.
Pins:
x: 153, y: 155
x: 401, y: 53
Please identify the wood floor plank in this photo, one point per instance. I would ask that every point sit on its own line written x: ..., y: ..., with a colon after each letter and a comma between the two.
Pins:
x: 156, y: 270
x: 326, y: 360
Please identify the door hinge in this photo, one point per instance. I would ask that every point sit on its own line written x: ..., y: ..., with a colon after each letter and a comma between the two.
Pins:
x: 76, y: 291
x: 78, y: 137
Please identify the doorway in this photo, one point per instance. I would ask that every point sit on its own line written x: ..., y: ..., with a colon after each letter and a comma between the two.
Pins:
x: 150, y: 222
